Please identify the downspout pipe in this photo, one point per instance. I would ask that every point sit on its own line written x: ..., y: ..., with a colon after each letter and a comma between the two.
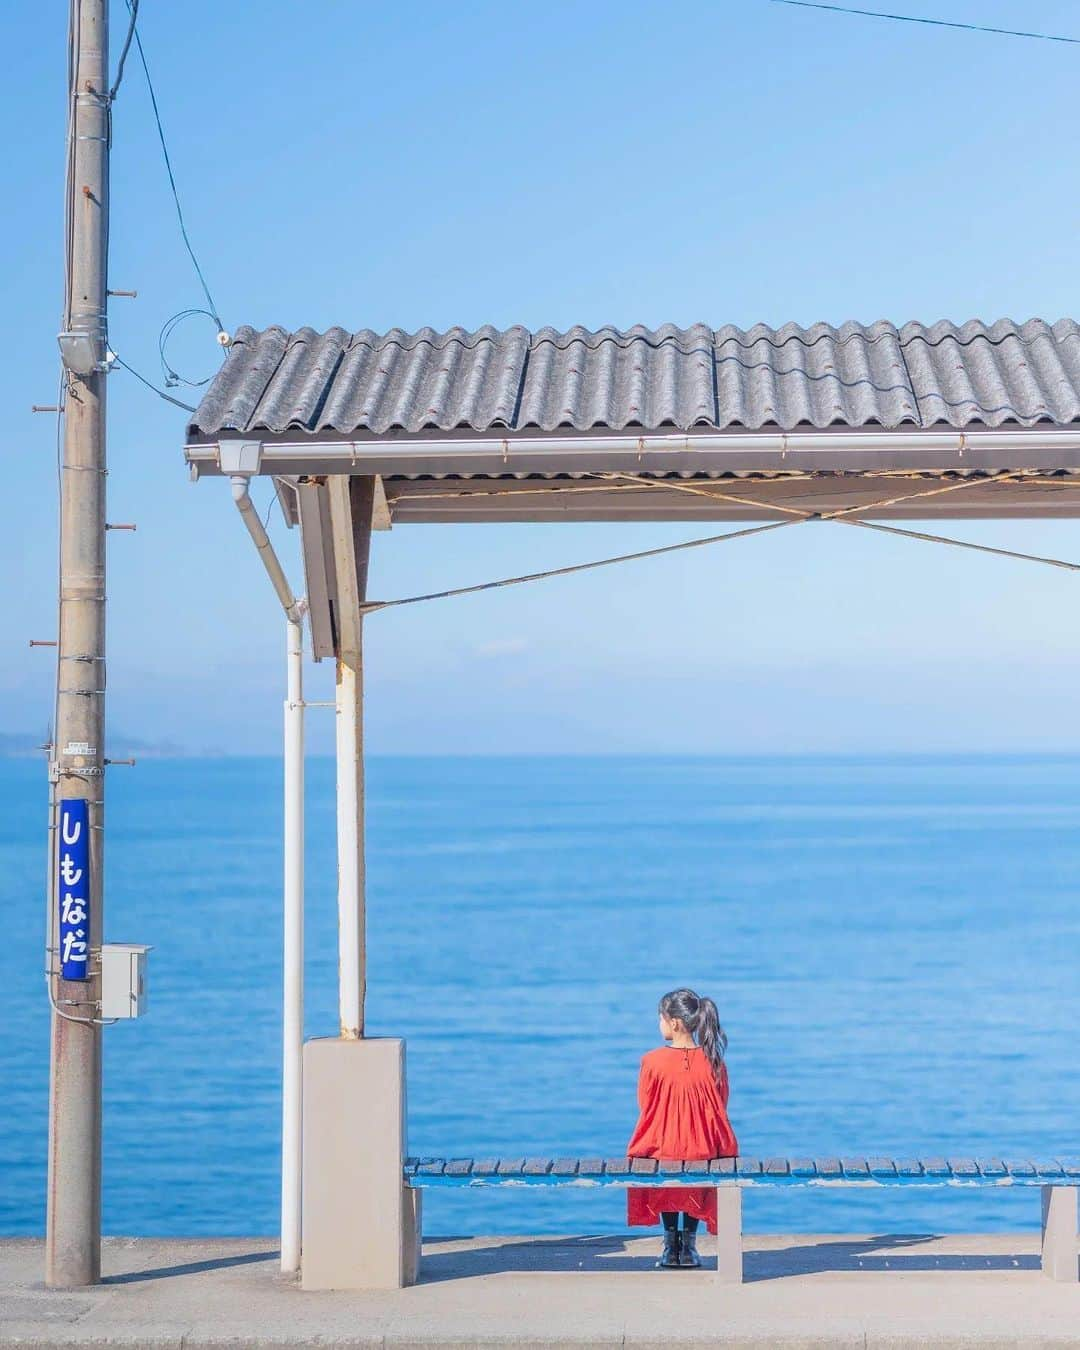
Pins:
x: 294, y: 609
x: 293, y: 888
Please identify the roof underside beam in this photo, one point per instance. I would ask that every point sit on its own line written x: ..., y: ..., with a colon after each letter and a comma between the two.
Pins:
x: 480, y: 500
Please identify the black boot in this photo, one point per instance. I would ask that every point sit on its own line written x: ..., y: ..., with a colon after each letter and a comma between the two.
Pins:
x: 670, y: 1256
x: 688, y: 1252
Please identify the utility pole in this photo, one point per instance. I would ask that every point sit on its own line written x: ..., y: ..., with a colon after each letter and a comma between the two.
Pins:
x: 73, y: 1222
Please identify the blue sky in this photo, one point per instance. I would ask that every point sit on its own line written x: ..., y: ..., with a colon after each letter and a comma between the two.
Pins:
x: 416, y: 164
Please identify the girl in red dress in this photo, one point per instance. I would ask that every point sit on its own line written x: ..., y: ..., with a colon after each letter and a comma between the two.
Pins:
x: 682, y: 1096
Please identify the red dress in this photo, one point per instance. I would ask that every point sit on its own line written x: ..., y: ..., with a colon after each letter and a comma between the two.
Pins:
x: 683, y: 1117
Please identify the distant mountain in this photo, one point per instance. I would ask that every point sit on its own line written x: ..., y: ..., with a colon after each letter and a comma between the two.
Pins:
x: 22, y: 744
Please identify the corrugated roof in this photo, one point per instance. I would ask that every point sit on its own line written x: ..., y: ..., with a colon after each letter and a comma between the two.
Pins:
x: 664, y: 378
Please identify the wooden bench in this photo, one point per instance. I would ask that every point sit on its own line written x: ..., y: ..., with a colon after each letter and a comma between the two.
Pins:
x: 1056, y: 1179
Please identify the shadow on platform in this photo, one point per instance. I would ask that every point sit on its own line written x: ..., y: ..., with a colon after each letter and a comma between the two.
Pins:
x: 189, y: 1268
x: 892, y: 1252
x: 608, y: 1255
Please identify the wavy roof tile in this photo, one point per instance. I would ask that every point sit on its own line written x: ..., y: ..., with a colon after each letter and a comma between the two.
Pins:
x: 856, y: 375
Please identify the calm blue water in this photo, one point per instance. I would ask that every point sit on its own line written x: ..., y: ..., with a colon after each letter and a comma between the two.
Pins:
x: 892, y: 943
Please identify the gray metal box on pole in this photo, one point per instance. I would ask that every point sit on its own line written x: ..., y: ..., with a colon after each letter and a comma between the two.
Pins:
x: 123, y: 980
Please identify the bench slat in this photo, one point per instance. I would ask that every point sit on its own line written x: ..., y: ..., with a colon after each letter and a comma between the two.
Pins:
x: 421, y: 1171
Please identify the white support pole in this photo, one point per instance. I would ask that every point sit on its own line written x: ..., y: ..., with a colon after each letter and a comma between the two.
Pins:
x: 293, y: 955
x: 350, y: 501
x: 350, y: 850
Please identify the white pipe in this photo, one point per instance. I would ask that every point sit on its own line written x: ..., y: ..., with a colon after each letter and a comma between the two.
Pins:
x: 350, y: 993
x: 293, y: 955
x: 293, y: 886
x: 276, y: 573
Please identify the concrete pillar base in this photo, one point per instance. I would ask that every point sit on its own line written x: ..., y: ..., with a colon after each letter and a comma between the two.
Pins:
x: 354, y: 1204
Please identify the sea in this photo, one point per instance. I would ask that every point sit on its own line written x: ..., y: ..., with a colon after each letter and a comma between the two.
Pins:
x: 892, y: 943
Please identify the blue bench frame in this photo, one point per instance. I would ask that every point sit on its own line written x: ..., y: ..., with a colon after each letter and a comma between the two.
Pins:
x: 1057, y: 1180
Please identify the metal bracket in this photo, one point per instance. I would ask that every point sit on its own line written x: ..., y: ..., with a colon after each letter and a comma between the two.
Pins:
x: 236, y: 456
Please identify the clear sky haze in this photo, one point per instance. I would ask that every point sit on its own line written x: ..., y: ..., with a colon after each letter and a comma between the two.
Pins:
x: 595, y: 163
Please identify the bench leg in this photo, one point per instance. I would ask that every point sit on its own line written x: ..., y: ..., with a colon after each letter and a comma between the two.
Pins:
x: 1059, y: 1258
x: 412, y: 1235
x: 729, y: 1234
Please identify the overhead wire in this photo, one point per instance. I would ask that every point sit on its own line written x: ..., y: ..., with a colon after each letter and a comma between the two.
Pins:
x: 936, y: 23
x: 172, y: 177
x: 844, y: 516
x: 839, y: 516
x: 793, y: 516
x: 171, y: 376
x: 133, y: 14
x: 963, y: 543
x: 187, y: 407
x: 373, y: 605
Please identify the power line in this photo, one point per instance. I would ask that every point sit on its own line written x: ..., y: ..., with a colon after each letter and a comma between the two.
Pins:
x: 172, y: 377
x: 134, y: 8
x: 153, y: 387
x: 936, y: 23
x: 373, y: 605
x: 133, y: 4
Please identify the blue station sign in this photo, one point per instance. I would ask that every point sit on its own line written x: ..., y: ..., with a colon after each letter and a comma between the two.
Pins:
x: 73, y: 888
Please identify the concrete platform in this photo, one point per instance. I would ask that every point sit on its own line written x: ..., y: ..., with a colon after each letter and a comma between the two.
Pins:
x: 801, y: 1291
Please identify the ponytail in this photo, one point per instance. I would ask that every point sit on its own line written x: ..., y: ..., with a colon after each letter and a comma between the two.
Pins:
x: 699, y: 1016
x: 712, y: 1037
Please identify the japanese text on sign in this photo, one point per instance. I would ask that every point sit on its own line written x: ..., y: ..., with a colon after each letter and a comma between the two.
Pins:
x: 73, y: 889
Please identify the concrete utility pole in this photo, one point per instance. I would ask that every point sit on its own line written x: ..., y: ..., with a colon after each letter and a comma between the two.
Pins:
x: 73, y: 1222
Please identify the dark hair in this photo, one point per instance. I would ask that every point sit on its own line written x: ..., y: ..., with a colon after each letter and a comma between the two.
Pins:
x: 699, y: 1016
